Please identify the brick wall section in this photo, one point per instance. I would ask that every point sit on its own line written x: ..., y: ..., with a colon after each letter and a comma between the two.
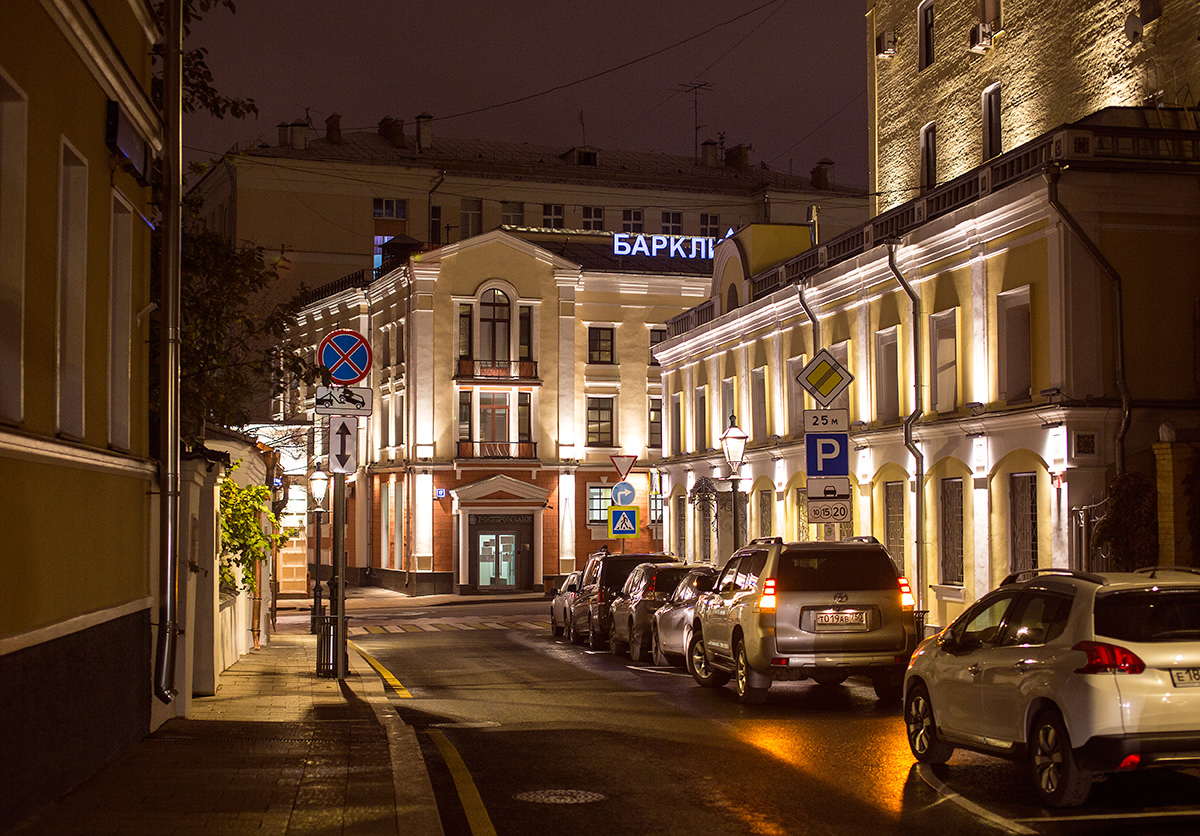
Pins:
x: 1057, y: 61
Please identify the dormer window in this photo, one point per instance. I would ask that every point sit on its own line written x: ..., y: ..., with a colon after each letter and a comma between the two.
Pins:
x: 582, y: 156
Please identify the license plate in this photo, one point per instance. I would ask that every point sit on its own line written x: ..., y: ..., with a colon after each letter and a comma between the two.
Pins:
x: 1186, y: 677
x: 856, y: 618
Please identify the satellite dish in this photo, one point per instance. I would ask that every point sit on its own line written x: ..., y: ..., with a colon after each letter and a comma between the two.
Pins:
x: 1133, y: 28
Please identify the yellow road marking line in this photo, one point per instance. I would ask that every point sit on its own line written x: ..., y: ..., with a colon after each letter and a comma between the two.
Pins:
x: 387, y: 675
x: 468, y: 793
x: 376, y: 630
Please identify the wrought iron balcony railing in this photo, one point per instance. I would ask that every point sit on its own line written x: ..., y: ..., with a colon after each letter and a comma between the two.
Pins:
x: 497, y: 449
x: 497, y: 369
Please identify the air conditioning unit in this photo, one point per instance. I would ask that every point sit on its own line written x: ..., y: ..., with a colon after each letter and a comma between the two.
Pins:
x: 885, y: 44
x: 981, y: 37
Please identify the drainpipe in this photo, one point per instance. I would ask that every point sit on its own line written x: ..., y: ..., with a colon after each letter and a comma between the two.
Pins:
x: 169, y: 457
x: 812, y: 317
x: 910, y: 421
x: 1052, y: 173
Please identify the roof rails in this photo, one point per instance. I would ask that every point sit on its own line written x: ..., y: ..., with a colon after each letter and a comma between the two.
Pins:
x: 770, y: 541
x: 1152, y: 570
x: 863, y: 538
x: 1023, y: 574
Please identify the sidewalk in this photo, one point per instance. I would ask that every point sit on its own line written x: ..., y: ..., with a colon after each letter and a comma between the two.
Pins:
x: 278, y: 750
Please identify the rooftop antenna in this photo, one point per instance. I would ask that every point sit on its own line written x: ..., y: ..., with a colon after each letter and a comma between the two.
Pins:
x: 695, y: 88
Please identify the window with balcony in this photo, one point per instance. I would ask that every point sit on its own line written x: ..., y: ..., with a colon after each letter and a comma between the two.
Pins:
x: 13, y: 117
x: 600, y: 422
x: 72, y: 290
x: 943, y: 358
x: 552, y: 215
x: 494, y: 322
x: 524, y: 416
x: 924, y: 34
x: 525, y: 333
x: 631, y: 220
x: 602, y: 345
x: 593, y: 217
x: 887, y: 383
x: 465, y: 333
x: 672, y: 223
x: 470, y: 218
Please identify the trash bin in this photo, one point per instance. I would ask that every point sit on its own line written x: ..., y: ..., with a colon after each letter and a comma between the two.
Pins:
x: 326, y: 645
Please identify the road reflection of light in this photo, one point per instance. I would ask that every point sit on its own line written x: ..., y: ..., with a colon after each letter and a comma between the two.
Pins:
x: 870, y: 762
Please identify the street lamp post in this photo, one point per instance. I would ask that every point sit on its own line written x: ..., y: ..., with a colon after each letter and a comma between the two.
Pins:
x: 733, y: 444
x: 318, y: 483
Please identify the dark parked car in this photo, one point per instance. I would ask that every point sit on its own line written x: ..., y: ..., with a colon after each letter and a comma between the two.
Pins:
x: 604, y: 575
x: 671, y: 624
x: 648, y: 587
x: 560, y: 606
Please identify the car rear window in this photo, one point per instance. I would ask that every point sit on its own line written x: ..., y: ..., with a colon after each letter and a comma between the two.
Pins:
x: 665, y: 580
x: 868, y: 569
x: 617, y: 569
x: 1159, y: 615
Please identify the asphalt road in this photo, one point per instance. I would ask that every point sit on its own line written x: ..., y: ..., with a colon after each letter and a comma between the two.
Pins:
x: 526, y: 734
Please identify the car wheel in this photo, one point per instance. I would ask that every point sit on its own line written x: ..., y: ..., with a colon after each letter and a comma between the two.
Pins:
x: 595, y: 640
x: 889, y: 685
x: 615, y: 646
x: 704, y: 673
x: 826, y: 676
x: 919, y: 722
x: 657, y: 656
x: 746, y: 693
x: 1056, y: 776
x: 572, y: 634
x: 555, y: 627
x: 639, y: 649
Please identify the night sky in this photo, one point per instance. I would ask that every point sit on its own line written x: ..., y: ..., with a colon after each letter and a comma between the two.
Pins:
x: 788, y: 77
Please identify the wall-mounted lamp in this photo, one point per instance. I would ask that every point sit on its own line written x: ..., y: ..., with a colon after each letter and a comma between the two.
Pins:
x: 858, y: 425
x: 1052, y: 392
x: 1049, y: 425
x: 976, y: 407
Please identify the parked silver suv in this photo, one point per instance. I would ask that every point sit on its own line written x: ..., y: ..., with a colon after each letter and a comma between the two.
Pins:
x: 793, y: 611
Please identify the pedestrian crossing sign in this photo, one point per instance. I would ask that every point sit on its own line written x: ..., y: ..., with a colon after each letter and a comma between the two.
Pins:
x: 622, y: 521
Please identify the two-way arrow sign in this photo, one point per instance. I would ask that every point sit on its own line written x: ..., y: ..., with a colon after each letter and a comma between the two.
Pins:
x: 343, y: 444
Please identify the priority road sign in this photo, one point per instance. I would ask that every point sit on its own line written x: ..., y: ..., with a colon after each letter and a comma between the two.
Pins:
x: 622, y: 521
x: 827, y: 454
x: 347, y: 356
x: 343, y: 444
x: 824, y: 378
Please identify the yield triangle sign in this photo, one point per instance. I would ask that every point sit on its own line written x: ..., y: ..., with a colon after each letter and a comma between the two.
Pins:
x: 623, y: 524
x: 623, y: 464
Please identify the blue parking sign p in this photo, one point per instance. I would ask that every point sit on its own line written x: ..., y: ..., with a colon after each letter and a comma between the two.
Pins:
x: 827, y: 454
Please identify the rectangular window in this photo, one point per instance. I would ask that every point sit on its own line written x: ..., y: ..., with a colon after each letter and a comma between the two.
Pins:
x: 1022, y: 529
x: 512, y: 213
x: 991, y: 122
x: 766, y: 513
x: 599, y: 498
x: 525, y: 333
x: 943, y: 351
x: 710, y: 225
x: 728, y: 402
x: 700, y: 419
x: 680, y: 527
x: 120, y: 323
x: 654, y: 426
x: 924, y: 34
x: 758, y: 404
x: 435, y: 225
x: 13, y: 116
x: 1016, y: 375
x: 72, y: 290
x: 672, y: 223
x: 524, y: 416
x: 465, y: 414
x: 656, y: 508
x: 391, y: 207
x: 929, y: 156
x: 385, y: 421
x: 493, y: 416
x: 470, y: 218
x: 631, y: 220
x: 593, y: 217
x: 600, y: 422
x: 795, y: 395
x: 887, y: 384
x: 841, y: 353
x: 552, y: 215
x: 657, y: 335
x: 465, y: 341
x: 601, y: 345
x: 676, y: 425
x: 893, y: 511
x: 951, y: 540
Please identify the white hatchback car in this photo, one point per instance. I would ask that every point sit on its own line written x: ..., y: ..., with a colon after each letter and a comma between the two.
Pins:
x: 1082, y: 674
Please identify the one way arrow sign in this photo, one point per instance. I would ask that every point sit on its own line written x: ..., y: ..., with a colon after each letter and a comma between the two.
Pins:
x: 343, y: 444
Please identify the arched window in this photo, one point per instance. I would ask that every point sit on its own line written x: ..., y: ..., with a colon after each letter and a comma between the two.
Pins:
x: 731, y: 299
x: 494, y: 325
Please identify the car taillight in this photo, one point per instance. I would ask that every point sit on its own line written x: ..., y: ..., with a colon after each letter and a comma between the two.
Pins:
x: 767, y: 601
x: 906, y: 597
x: 1109, y: 658
x: 650, y: 587
x: 601, y: 595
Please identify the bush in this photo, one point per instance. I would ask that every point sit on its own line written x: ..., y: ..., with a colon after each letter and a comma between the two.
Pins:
x: 1127, y: 534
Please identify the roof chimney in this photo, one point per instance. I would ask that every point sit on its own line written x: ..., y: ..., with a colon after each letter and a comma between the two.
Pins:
x: 285, y: 134
x: 333, y: 128
x: 424, y: 132
x: 738, y: 157
x: 709, y: 154
x: 822, y: 174
x: 392, y: 130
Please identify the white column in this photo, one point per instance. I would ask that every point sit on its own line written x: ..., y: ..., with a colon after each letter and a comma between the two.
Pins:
x: 566, y: 522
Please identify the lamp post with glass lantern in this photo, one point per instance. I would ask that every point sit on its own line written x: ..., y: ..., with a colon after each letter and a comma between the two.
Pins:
x: 318, y: 483
x: 733, y: 444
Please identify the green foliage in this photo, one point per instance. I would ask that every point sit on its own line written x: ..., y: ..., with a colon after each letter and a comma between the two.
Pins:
x: 1128, y: 532
x: 244, y: 512
x: 199, y: 94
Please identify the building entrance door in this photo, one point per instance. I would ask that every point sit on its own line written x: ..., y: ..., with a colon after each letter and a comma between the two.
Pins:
x: 501, y: 551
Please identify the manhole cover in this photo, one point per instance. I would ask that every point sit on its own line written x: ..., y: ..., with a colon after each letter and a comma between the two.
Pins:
x: 560, y: 796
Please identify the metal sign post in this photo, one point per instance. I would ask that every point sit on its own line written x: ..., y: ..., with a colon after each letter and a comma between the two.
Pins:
x: 339, y: 569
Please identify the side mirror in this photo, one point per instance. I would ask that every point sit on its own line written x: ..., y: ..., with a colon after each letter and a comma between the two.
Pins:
x: 572, y: 587
x: 948, y: 642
